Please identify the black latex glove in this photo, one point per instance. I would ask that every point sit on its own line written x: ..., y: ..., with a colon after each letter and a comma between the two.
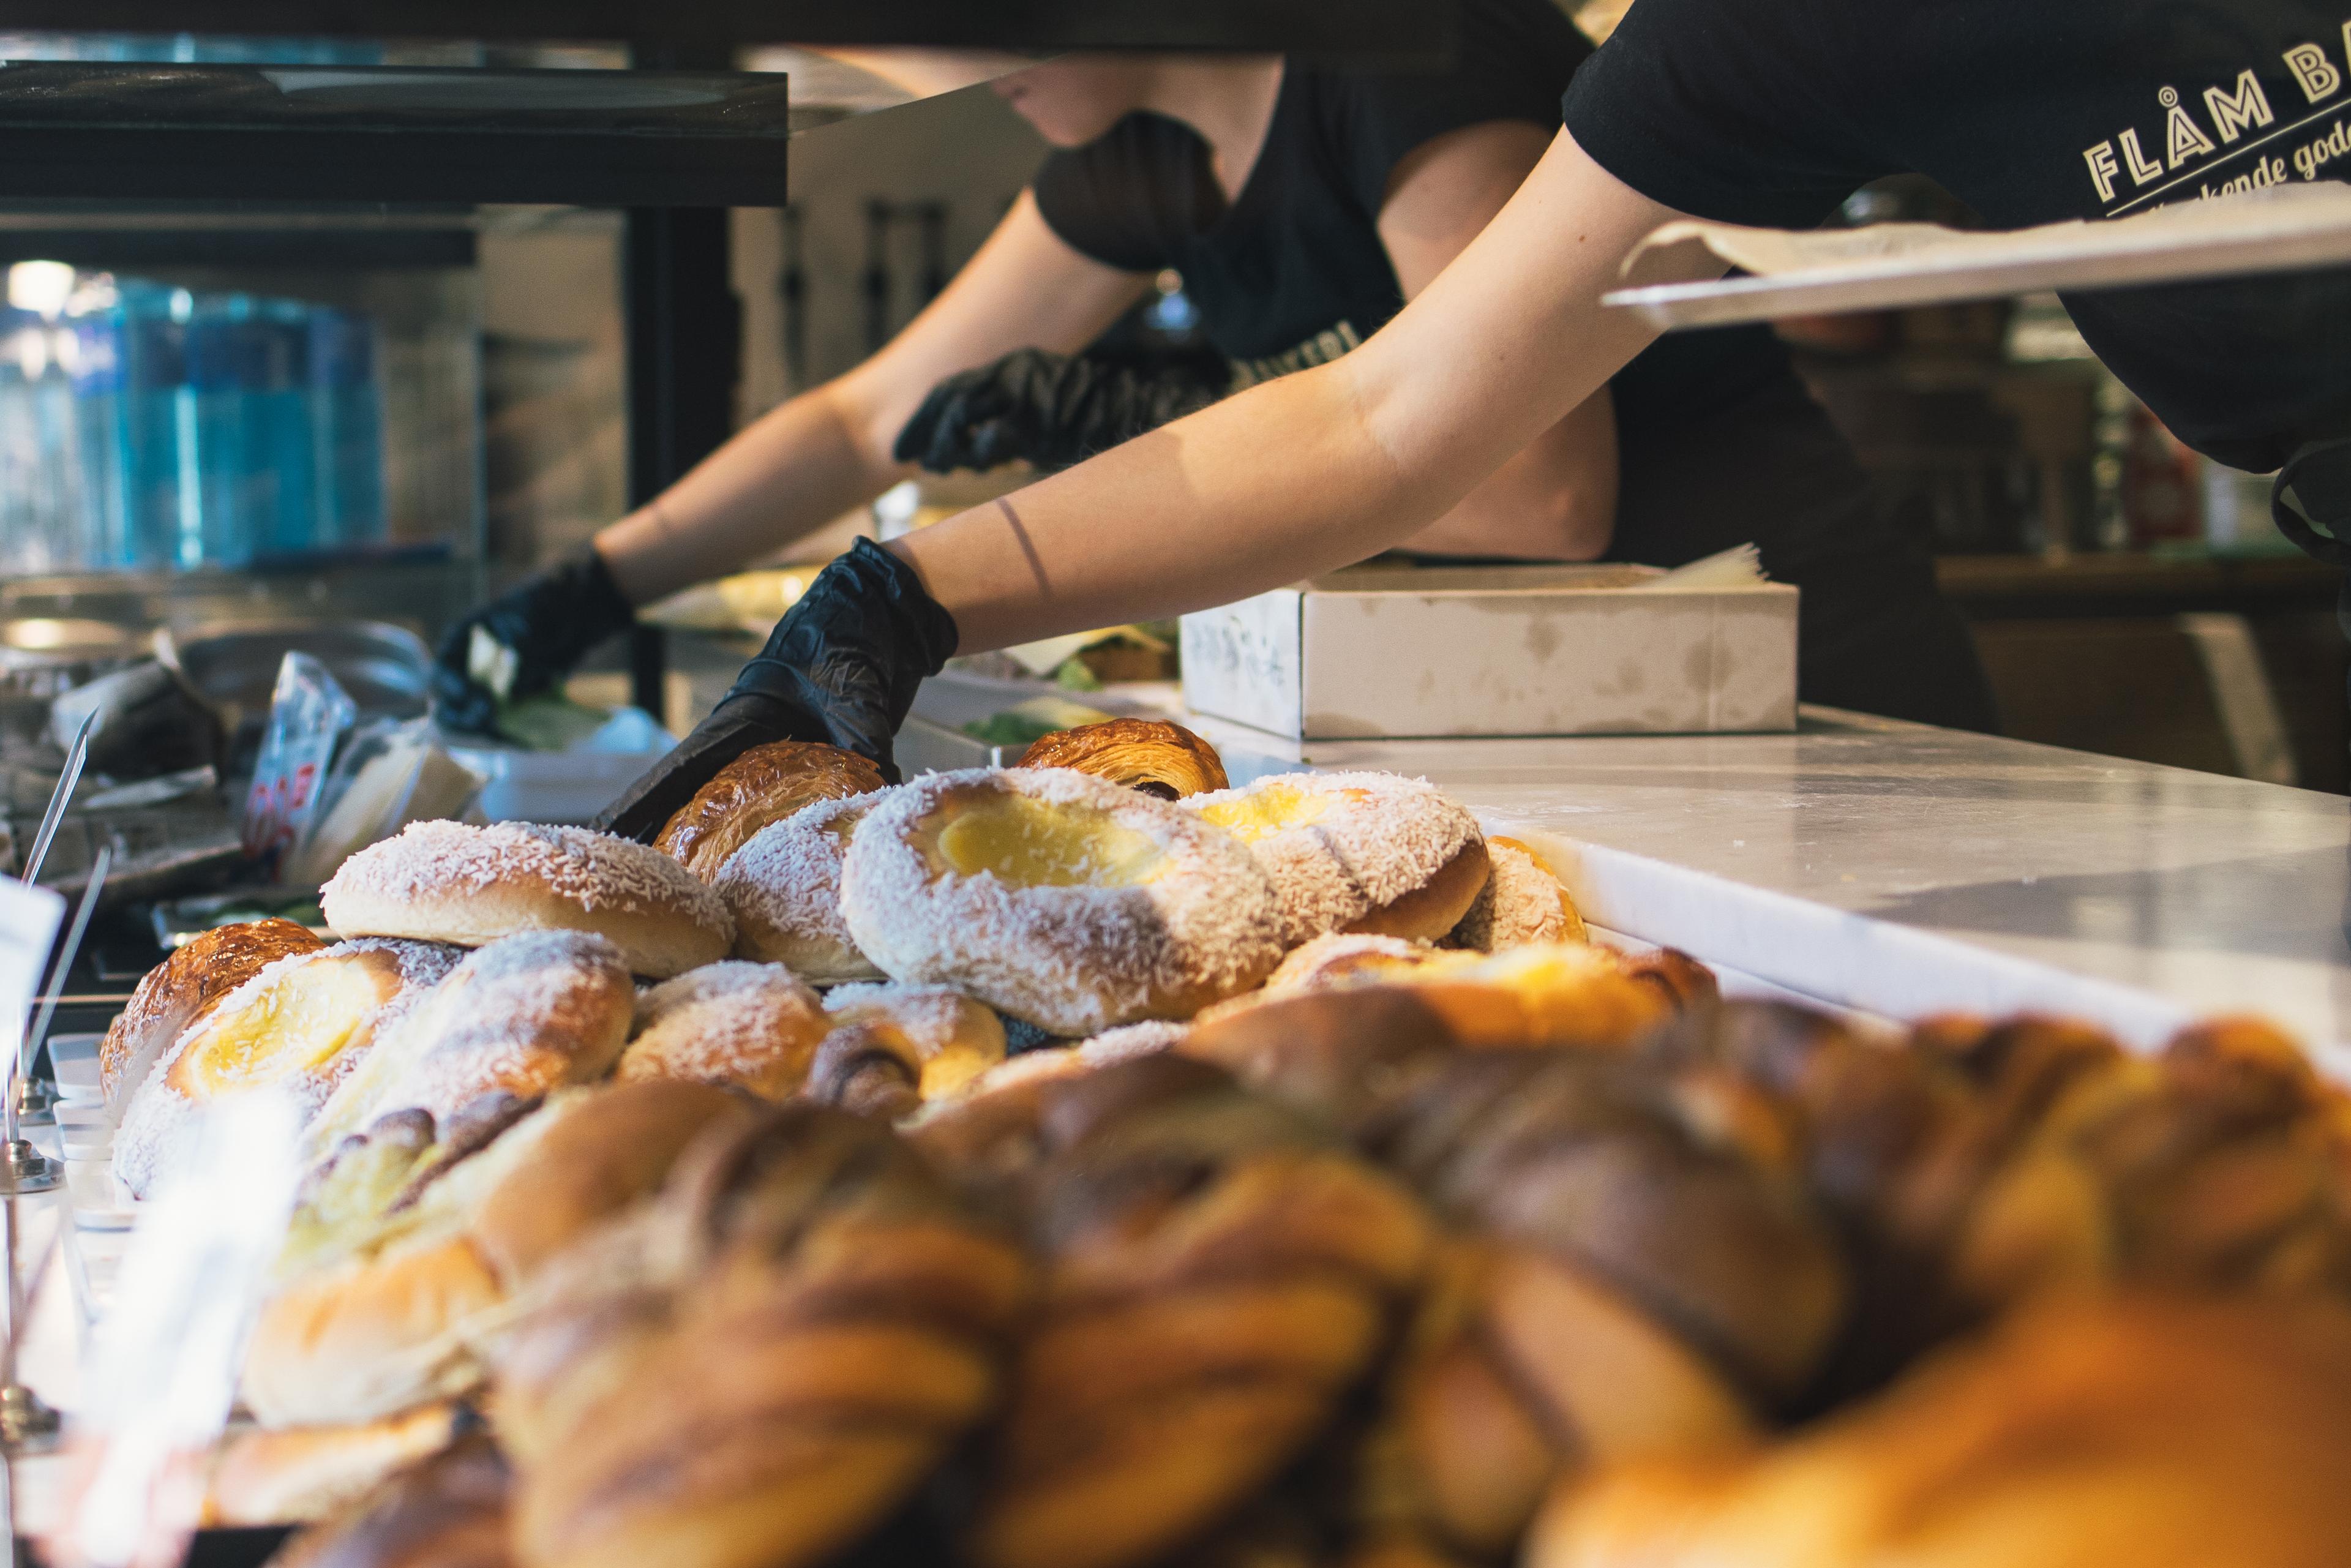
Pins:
x: 841, y: 667
x: 1052, y: 409
x: 2312, y: 503
x: 530, y: 637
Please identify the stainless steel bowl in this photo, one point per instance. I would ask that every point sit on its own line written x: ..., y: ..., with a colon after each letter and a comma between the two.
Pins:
x: 384, y: 668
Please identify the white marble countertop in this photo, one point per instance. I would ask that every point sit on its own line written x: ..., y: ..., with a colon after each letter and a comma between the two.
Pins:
x: 1900, y: 869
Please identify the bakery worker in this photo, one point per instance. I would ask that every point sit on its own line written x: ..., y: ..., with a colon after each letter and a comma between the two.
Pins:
x: 1302, y: 205
x: 2029, y: 113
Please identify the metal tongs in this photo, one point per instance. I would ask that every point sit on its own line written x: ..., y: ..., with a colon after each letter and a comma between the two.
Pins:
x: 25, y: 1171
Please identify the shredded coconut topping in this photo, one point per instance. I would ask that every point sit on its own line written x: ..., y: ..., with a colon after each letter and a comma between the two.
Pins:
x: 783, y: 889
x: 526, y: 1013
x: 592, y: 870
x: 933, y: 1017
x: 1334, y: 958
x: 159, y: 1119
x: 748, y: 1024
x: 1074, y: 959
x: 1145, y: 1039
x: 1521, y: 904
x: 1366, y: 841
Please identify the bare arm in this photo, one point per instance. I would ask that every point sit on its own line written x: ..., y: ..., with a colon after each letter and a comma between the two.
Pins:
x: 1309, y: 472
x: 1556, y: 500
x: 808, y: 460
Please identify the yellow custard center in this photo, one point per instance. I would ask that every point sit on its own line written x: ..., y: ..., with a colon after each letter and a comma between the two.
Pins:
x: 1028, y: 843
x: 1270, y: 808
x: 300, y: 1022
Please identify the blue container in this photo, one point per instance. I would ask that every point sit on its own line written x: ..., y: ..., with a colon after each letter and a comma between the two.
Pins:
x: 280, y: 455
x: 347, y: 428
x: 101, y: 433
x: 162, y: 492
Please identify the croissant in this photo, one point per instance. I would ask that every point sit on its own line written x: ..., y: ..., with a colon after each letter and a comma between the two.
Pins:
x: 1979, y: 1164
x: 446, y: 1512
x: 1149, y: 754
x: 833, y: 1328
x: 1217, y: 1278
x: 2158, y: 1431
x: 766, y: 784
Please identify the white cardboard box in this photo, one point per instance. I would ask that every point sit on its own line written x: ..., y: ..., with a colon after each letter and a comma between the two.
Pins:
x: 1408, y: 653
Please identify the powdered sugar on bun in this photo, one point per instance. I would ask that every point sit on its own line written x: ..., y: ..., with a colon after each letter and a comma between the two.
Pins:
x: 749, y: 1025
x: 527, y: 1014
x: 448, y: 882
x: 300, y: 1027
x: 1058, y: 898
x: 1357, y: 851
x: 783, y: 890
x: 1522, y: 903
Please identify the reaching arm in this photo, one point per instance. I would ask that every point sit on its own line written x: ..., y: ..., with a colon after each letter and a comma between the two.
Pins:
x: 1556, y: 500
x: 828, y: 450
x: 1315, y: 470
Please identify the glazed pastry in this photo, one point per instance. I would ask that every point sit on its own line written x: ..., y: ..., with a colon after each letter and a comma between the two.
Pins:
x: 1376, y: 853
x: 1520, y: 904
x: 1057, y: 898
x: 834, y: 1332
x: 893, y: 1047
x: 783, y: 889
x: 260, y: 1476
x: 2162, y: 1432
x: 1149, y: 754
x: 1218, y: 1277
x: 523, y: 1016
x: 446, y: 882
x: 1528, y: 997
x: 178, y: 992
x: 752, y: 1026
x: 300, y: 1026
x: 1632, y: 1267
x: 448, y: 1511
x: 766, y: 784
x: 373, y: 1312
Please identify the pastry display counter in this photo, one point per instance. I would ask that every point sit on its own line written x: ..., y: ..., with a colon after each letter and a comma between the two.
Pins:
x: 1896, y: 869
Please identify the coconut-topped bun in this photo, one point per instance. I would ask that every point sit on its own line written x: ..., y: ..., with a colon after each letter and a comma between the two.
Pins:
x: 1522, y: 905
x: 752, y: 1026
x: 183, y: 988
x: 1374, y: 852
x: 1060, y: 898
x: 1146, y: 754
x: 299, y: 1027
x: 527, y: 1014
x: 447, y: 881
x: 783, y: 890
x: 894, y: 1047
x: 766, y: 784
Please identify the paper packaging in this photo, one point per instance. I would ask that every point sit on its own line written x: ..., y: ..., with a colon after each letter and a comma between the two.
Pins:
x: 1382, y: 652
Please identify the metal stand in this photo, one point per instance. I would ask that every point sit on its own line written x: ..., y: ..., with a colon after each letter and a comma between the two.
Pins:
x: 26, y: 1426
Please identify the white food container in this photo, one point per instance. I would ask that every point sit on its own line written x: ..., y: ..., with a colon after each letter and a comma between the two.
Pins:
x: 1410, y: 653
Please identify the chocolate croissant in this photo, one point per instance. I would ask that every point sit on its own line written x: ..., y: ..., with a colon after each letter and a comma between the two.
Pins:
x: 834, y: 1328
x: 1217, y: 1277
x: 1146, y: 754
x: 765, y: 785
x: 2159, y: 1430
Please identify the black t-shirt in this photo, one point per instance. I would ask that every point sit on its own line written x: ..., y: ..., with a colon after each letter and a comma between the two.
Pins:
x: 2031, y: 111
x: 1293, y: 272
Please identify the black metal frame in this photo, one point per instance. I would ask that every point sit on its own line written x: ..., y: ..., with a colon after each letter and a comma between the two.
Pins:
x: 1402, y: 32
x: 684, y: 362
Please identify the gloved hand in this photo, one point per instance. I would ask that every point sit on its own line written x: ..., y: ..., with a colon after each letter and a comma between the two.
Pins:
x: 840, y: 667
x: 523, y: 641
x: 1053, y: 410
